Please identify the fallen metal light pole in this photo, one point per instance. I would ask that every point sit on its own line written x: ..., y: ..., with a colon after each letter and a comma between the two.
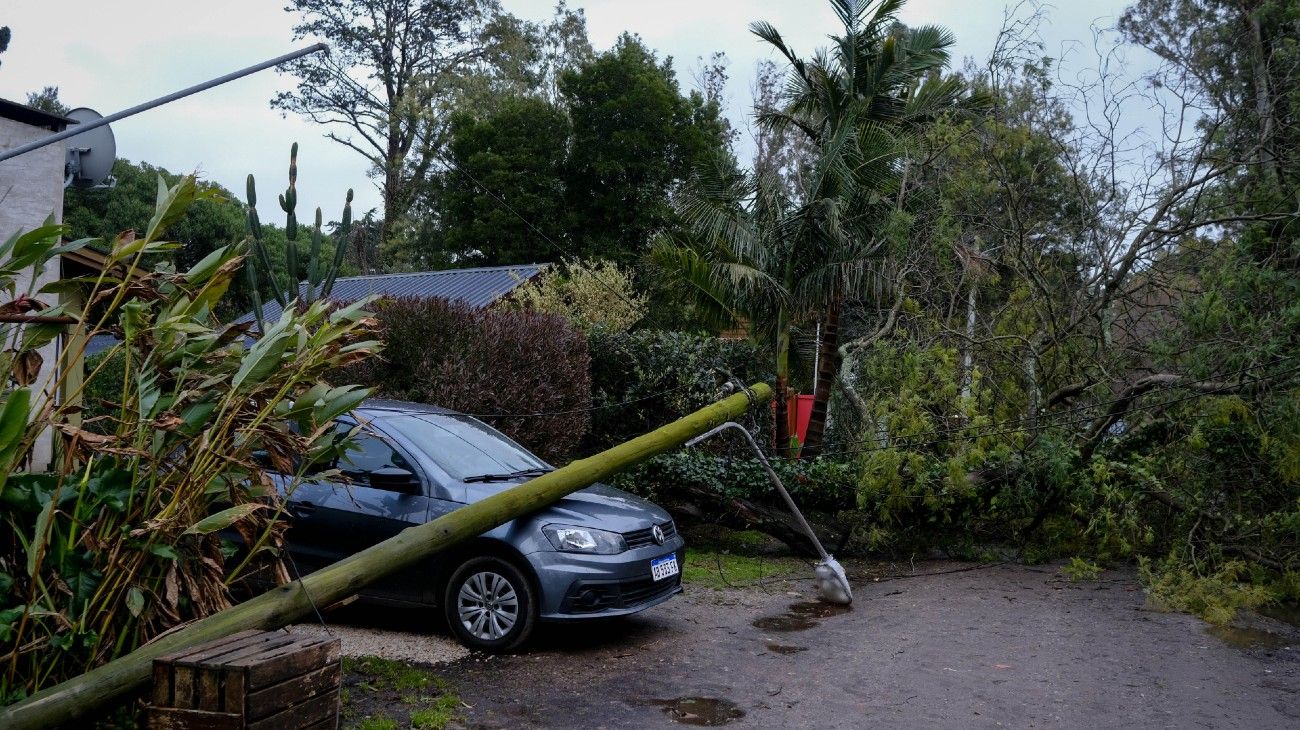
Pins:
x: 832, y: 583
x: 83, y: 694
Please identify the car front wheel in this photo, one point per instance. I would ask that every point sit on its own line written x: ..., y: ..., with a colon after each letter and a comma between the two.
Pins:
x: 490, y: 605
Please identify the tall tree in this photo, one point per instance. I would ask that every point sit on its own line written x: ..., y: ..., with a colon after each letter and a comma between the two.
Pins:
x: 517, y: 152
x: 5, y: 36
x: 635, y: 137
x: 379, y: 90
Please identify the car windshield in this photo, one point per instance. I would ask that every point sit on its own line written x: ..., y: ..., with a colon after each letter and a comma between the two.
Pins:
x: 465, y: 447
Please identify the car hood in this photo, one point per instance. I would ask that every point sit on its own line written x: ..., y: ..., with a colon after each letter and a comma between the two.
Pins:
x: 600, y: 506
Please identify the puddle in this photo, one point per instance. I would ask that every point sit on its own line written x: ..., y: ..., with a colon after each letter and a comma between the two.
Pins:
x: 707, y: 711
x: 784, y: 649
x: 801, y: 616
x: 1286, y: 613
x: 785, y: 623
x: 818, y: 609
x: 1248, y: 638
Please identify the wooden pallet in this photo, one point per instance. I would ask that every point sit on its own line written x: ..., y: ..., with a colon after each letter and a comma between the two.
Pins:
x: 253, y: 680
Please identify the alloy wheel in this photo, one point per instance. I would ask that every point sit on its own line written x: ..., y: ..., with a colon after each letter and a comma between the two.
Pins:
x: 487, y: 605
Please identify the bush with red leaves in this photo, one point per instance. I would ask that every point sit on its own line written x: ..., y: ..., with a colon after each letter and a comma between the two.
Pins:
x: 489, y: 363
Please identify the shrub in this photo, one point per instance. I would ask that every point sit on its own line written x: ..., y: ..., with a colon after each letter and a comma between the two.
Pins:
x: 817, y: 484
x: 589, y: 294
x: 667, y: 374
x: 486, y: 363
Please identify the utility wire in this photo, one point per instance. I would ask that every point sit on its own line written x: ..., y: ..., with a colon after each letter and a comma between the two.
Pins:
x: 542, y: 414
x: 731, y: 377
x: 906, y: 444
x: 1076, y: 409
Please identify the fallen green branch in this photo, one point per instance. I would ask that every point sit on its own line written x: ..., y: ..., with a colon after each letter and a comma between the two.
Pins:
x: 82, y: 695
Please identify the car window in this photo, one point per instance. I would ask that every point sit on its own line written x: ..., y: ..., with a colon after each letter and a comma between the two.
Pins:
x: 464, y: 446
x: 367, y: 453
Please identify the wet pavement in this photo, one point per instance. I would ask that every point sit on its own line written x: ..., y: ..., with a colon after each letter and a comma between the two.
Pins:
x: 1005, y: 646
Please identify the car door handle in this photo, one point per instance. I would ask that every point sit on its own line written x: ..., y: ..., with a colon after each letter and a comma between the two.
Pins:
x: 301, y: 509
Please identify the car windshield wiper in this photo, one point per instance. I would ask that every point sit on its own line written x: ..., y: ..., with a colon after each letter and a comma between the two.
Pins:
x: 511, y: 475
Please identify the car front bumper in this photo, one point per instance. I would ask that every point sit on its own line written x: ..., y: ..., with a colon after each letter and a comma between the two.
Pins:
x: 576, y: 586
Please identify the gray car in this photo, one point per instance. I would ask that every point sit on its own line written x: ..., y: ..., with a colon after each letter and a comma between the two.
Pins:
x: 598, y: 553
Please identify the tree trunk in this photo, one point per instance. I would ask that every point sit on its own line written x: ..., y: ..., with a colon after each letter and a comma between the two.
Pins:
x: 390, y: 207
x: 80, y: 696
x: 968, y: 350
x: 1033, y: 388
x: 828, y: 364
x: 782, y: 403
x: 1263, y: 96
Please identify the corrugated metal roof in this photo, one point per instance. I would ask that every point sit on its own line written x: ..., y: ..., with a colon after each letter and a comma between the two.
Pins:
x: 477, y: 288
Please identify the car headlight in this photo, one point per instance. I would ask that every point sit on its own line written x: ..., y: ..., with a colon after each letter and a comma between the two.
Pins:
x: 568, y: 539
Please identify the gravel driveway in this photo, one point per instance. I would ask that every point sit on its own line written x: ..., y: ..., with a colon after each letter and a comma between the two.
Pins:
x: 1002, y: 646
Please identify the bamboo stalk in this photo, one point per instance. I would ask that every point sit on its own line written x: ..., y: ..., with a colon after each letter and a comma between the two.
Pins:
x: 78, y: 697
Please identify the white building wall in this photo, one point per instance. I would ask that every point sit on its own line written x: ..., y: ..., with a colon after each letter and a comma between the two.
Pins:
x: 31, y: 190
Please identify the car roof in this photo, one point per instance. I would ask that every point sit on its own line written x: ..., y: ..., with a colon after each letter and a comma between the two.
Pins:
x: 380, y: 406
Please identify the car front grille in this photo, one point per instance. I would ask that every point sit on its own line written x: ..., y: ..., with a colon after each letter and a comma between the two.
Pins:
x: 593, y: 597
x: 640, y: 538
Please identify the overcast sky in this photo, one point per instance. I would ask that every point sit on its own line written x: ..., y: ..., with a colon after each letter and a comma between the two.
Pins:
x: 112, y: 55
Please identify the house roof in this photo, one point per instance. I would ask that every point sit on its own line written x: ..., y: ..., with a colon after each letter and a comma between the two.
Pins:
x: 478, y: 288
x: 35, y: 117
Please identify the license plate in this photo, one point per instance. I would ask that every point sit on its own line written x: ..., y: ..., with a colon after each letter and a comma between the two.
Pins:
x: 665, y: 567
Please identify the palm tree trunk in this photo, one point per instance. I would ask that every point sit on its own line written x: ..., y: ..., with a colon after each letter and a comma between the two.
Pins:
x: 828, y: 364
x: 782, y: 431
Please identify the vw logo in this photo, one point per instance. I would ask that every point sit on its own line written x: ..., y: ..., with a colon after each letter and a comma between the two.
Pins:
x: 657, y: 533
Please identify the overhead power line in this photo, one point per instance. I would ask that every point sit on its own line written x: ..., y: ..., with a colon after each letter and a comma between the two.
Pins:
x: 908, y: 443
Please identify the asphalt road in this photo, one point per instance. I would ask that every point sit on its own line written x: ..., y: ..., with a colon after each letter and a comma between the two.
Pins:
x: 1007, y: 646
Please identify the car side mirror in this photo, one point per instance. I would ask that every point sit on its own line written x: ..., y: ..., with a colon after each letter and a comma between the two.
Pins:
x: 394, y: 479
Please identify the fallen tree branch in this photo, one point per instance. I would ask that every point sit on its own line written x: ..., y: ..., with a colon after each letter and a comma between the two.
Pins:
x: 1118, y: 407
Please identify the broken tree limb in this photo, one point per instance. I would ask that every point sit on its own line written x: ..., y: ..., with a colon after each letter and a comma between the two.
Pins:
x: 81, y: 695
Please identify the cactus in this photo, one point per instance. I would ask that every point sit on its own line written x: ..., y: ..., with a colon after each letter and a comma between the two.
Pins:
x: 320, y: 274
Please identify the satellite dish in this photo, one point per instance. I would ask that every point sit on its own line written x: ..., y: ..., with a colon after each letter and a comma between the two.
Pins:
x: 91, y: 154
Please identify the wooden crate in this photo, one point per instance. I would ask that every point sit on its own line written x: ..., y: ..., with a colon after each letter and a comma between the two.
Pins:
x: 253, y: 680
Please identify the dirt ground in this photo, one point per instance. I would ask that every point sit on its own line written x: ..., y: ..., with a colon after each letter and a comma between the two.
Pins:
x: 1000, y: 646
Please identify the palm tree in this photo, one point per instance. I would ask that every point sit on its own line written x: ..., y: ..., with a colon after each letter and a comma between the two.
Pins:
x: 752, y: 253
x: 861, y: 103
x: 734, y: 255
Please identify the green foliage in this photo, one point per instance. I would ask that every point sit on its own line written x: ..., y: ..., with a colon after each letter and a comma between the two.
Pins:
x: 660, y: 376
x: 212, y: 222
x: 105, y: 373
x: 496, y: 363
x: 1079, y: 569
x: 820, y: 484
x: 517, y: 150
x: 392, y: 685
x: 718, y: 570
x: 635, y: 136
x: 47, y: 100
x: 446, y: 709
x: 589, y: 294
x: 117, y: 546
x: 1215, y: 596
